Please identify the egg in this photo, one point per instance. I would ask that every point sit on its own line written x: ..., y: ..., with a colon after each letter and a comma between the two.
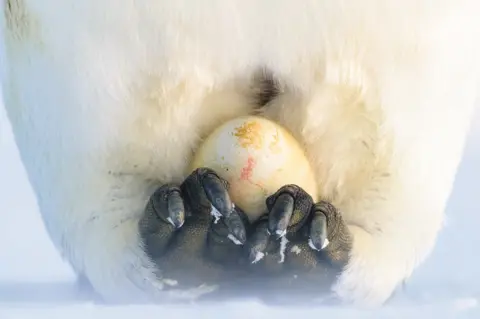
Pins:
x: 257, y: 157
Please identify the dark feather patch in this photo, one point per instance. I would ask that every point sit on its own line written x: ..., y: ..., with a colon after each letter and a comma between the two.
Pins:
x: 265, y: 88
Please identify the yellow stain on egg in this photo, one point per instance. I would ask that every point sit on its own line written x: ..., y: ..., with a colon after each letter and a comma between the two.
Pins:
x: 249, y: 134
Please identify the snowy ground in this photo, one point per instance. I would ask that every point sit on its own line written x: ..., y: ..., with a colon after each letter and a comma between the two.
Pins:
x: 35, y: 283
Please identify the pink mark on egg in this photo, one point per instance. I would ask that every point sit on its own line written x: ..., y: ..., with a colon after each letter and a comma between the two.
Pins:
x: 247, y: 170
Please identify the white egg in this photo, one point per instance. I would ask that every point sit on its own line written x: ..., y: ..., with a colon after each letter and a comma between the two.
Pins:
x: 257, y: 157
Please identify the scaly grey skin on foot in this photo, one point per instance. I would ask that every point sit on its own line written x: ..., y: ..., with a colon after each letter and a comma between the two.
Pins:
x: 197, y: 237
x: 299, y: 247
x: 193, y: 232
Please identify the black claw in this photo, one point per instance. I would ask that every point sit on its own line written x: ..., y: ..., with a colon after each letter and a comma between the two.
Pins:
x: 318, y: 231
x: 176, y: 209
x: 236, y: 228
x: 280, y: 215
x: 205, y: 192
x: 259, y: 242
x: 217, y: 194
x: 167, y: 204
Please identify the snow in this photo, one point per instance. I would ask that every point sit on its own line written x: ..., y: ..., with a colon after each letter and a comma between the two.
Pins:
x: 283, y: 246
x: 35, y: 283
x: 233, y: 239
x: 216, y: 214
x: 258, y: 256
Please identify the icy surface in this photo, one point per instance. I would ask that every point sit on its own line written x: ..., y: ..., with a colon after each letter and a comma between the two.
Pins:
x: 35, y: 283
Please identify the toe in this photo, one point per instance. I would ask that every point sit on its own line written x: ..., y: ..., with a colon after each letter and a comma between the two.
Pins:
x: 280, y: 214
x: 318, y: 231
x: 175, y: 209
x: 225, y: 239
x: 258, y: 242
x: 207, y: 193
x: 290, y: 205
x: 329, y: 232
x: 217, y: 194
x: 167, y: 204
x: 163, y: 215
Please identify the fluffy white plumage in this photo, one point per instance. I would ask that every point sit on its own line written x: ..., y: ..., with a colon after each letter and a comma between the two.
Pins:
x: 108, y: 99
